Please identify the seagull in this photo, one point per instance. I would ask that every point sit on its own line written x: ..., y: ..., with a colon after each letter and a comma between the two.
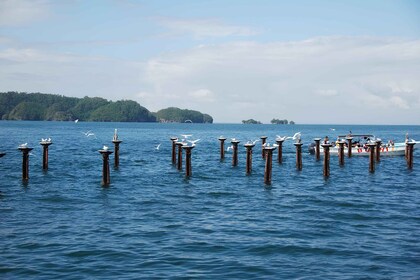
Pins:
x: 89, y: 133
x: 157, y: 147
x: 255, y: 141
x: 105, y: 148
x: 24, y: 145
x: 333, y: 129
x: 296, y: 136
x: 193, y: 141
x: 76, y: 120
x: 49, y: 139
x: 186, y: 135
x: 281, y: 138
x: 229, y: 148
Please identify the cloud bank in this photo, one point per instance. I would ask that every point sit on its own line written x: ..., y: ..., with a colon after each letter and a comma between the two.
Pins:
x: 320, y: 80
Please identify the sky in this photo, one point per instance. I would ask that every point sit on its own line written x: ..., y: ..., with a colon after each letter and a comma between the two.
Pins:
x: 313, y: 62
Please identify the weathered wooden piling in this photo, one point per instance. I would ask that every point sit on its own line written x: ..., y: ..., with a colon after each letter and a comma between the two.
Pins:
x: 45, y: 145
x: 263, y: 141
x: 378, y: 150
x: 249, y: 147
x: 326, y: 159
x: 317, y: 149
x: 188, y: 170
x: 298, y: 155
x: 268, y: 164
x: 117, y: 143
x: 173, y: 140
x: 106, y: 178
x: 340, y: 152
x: 25, y: 162
x: 222, y: 147
x: 179, y: 163
x: 235, y: 152
x: 117, y: 152
x: 410, y: 152
x: 349, y: 143
x: 280, y: 150
x: 372, y: 157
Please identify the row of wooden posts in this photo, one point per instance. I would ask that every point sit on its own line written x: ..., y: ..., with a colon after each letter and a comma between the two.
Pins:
x: 267, y: 154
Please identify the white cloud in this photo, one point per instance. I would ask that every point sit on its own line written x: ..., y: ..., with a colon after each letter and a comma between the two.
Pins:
x: 306, y: 81
x: 20, y: 12
x: 200, y: 28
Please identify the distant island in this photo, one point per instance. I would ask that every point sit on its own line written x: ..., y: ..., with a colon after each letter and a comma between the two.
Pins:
x: 273, y: 121
x: 53, y: 107
x: 251, y: 121
x: 277, y: 121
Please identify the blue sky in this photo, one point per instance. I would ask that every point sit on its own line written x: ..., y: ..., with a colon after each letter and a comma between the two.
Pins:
x: 307, y: 61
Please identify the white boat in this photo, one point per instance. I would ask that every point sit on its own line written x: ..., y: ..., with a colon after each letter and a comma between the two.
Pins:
x: 360, y: 148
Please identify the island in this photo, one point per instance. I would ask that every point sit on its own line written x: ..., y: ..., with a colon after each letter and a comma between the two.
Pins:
x: 53, y: 107
x: 278, y: 121
x: 251, y: 121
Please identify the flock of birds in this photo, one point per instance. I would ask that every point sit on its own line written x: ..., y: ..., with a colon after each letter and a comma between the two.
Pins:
x: 296, y: 137
x: 185, y: 139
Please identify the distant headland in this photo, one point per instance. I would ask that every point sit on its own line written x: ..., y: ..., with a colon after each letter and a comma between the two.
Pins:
x: 53, y: 107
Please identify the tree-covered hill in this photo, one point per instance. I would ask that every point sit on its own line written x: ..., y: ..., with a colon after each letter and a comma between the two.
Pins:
x: 173, y: 114
x: 51, y: 107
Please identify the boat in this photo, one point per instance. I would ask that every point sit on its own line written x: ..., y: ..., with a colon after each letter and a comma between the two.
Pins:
x: 360, y: 147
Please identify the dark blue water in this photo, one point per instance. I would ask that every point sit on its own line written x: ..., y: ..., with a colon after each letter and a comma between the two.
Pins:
x: 152, y: 222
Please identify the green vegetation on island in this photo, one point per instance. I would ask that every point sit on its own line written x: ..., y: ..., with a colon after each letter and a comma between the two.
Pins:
x: 251, y: 121
x: 173, y: 114
x: 277, y: 121
x: 52, y: 107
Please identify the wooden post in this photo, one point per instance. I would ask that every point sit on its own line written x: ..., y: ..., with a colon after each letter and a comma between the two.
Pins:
x: 326, y: 159
x: 340, y: 152
x: 222, y: 147
x: 263, y: 140
x: 268, y: 164
x: 106, y: 180
x: 173, y: 140
x: 410, y: 149
x: 317, y: 149
x: 378, y: 150
x: 280, y: 150
x: 298, y: 156
x: 249, y: 147
x: 25, y: 162
x: 117, y: 152
x: 235, y: 152
x: 349, y: 143
x: 179, y: 165
x: 45, y: 145
x: 188, y: 171
x: 371, y: 157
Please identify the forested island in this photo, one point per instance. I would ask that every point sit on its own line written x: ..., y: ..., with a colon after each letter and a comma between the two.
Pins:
x: 52, y: 107
x: 251, y: 121
x: 273, y: 121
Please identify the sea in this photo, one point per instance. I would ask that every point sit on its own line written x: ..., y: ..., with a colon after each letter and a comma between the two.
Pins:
x: 153, y: 222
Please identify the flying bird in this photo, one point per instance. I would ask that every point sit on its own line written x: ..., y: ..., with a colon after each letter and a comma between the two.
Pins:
x: 157, y: 147
x: 89, y: 133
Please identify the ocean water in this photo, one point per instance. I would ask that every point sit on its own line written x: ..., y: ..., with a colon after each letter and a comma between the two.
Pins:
x: 153, y: 222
